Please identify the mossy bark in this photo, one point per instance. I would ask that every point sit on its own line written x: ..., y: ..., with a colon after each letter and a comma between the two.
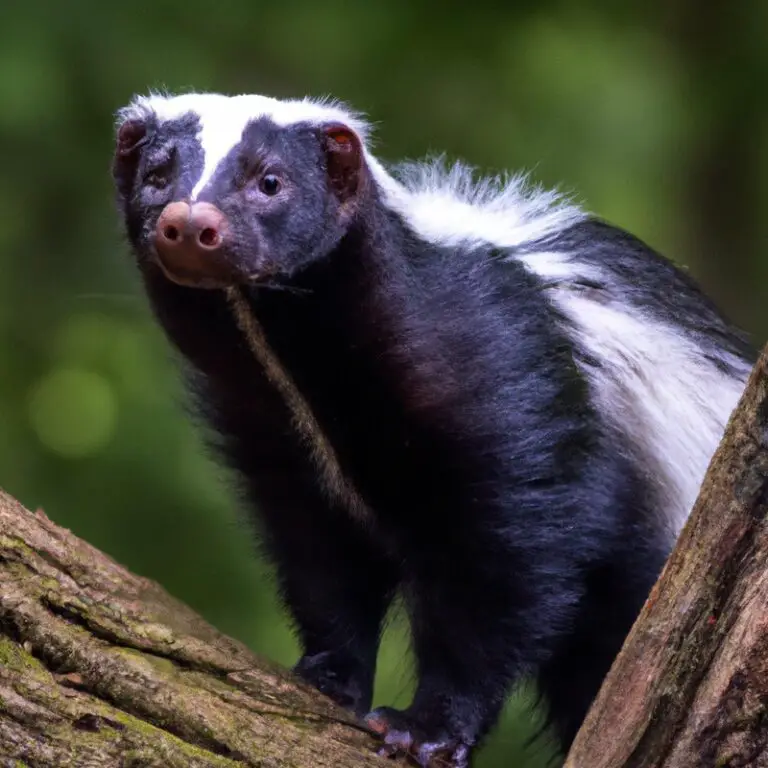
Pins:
x: 99, y: 667
x: 690, y: 687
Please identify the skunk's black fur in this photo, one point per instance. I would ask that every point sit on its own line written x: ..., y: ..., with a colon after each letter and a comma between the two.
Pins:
x: 514, y: 513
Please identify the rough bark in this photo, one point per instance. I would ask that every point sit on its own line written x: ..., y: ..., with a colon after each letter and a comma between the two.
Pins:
x: 690, y: 686
x: 99, y: 667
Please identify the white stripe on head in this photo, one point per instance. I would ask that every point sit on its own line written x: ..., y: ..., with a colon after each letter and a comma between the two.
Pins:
x: 223, y: 119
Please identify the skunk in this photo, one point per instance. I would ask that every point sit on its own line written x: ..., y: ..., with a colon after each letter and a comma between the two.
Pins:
x: 470, y: 393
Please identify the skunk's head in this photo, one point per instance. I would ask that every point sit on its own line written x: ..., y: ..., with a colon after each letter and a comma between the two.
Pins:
x: 219, y: 190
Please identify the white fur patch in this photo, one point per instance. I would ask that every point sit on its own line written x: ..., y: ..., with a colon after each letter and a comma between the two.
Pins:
x: 655, y: 385
x: 447, y: 206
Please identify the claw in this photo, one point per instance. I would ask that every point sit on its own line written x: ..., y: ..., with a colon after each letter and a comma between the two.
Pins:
x: 404, y: 738
x: 396, y: 743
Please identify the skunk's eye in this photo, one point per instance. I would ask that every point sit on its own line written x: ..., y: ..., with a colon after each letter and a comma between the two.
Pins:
x: 269, y: 184
x: 157, y: 179
x: 161, y: 169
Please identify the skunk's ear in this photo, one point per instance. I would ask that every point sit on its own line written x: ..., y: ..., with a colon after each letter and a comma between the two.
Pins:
x: 131, y: 136
x: 344, y: 161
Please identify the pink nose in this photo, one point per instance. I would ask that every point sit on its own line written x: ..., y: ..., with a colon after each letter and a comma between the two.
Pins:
x: 190, y: 228
x: 189, y: 241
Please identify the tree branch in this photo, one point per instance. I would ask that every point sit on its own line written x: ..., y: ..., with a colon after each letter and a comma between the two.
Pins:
x: 99, y: 667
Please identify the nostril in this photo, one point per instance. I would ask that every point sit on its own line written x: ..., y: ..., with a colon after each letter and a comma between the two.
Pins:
x: 171, y: 233
x: 209, y: 237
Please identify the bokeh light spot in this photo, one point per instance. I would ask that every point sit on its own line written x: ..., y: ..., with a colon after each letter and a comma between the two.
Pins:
x: 73, y: 412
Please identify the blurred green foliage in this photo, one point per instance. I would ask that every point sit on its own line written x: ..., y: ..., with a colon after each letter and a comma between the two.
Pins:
x: 654, y: 115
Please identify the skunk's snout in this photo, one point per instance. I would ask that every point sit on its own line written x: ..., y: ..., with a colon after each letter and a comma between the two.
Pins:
x: 191, y: 228
x: 190, y: 241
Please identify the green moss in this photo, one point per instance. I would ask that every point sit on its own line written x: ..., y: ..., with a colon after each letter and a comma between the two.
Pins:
x: 157, y: 633
x: 165, y: 666
x: 13, y: 656
x: 15, y: 544
x: 143, y: 744
x: 132, y: 654
x: 181, y: 751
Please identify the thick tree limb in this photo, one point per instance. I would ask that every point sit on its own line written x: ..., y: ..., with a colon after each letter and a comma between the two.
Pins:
x: 690, y: 687
x: 99, y: 667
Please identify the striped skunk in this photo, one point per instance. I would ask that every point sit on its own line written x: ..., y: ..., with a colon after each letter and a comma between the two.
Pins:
x: 470, y: 393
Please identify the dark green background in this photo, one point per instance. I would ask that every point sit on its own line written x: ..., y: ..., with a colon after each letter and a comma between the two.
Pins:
x: 653, y: 114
